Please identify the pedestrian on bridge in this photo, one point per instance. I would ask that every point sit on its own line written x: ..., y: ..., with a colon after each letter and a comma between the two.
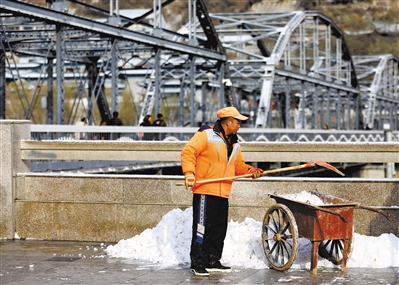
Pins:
x: 147, y: 123
x: 115, y: 121
x: 159, y: 122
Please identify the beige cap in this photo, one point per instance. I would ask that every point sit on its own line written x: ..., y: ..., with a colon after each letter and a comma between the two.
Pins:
x: 231, y: 112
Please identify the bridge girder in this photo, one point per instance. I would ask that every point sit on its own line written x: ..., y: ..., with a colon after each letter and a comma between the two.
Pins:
x: 86, y: 41
x: 305, y: 44
x: 273, y: 58
x: 378, y: 77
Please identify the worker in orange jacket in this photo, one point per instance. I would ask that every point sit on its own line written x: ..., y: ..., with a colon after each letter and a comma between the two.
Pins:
x: 213, y: 153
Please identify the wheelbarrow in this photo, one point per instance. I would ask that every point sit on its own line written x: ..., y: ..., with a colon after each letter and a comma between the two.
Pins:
x: 329, y: 227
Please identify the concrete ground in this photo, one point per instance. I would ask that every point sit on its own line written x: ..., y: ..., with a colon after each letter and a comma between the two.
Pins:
x: 33, y: 262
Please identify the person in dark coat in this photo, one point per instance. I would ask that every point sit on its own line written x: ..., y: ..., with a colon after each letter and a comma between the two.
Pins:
x: 147, y: 123
x: 115, y: 121
x: 159, y: 123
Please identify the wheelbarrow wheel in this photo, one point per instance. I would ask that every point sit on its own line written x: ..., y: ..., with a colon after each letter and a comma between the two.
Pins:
x: 333, y: 250
x: 280, y: 237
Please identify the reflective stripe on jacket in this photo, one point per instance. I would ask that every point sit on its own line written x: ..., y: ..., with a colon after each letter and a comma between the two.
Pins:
x: 205, y: 155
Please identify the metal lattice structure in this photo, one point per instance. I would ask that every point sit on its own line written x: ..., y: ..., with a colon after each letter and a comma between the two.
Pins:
x: 56, y: 36
x: 284, y: 70
x: 379, y: 82
x: 292, y: 61
x: 299, y: 72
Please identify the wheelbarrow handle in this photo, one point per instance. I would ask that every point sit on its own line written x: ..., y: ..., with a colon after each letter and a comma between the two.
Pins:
x: 376, y: 210
x: 336, y: 200
x: 330, y: 212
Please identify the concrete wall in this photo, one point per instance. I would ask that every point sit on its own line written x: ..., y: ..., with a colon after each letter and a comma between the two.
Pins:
x: 110, y: 208
x: 11, y: 135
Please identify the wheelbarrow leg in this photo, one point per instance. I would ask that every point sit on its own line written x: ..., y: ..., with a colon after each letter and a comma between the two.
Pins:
x: 315, y: 254
x: 345, y: 255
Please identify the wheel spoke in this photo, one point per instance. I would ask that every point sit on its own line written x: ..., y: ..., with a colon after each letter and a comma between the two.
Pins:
x: 281, y: 253
x: 284, y: 247
x: 338, y: 250
x: 287, y: 243
x: 273, y: 248
x: 278, y: 220
x: 341, y: 248
x: 274, y: 222
x: 278, y: 226
x: 285, y: 228
x: 327, y: 243
x: 282, y: 221
x: 333, y: 250
x: 267, y: 226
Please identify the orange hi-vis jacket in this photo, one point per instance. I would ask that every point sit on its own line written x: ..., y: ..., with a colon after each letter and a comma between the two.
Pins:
x: 205, y: 155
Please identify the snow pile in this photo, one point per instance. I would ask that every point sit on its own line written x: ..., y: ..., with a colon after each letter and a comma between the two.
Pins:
x: 305, y: 197
x: 168, y: 244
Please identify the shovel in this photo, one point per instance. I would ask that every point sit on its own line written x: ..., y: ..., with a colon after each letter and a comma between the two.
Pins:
x: 301, y: 166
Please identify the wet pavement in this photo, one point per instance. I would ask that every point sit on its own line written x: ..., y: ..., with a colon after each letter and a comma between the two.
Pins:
x: 33, y: 262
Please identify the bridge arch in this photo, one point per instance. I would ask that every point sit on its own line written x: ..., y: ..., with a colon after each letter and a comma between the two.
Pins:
x: 286, y: 70
x: 379, y: 85
x: 297, y: 57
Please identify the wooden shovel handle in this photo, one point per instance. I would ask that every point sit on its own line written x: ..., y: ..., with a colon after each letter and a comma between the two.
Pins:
x: 289, y: 168
x: 218, y: 179
x: 250, y: 174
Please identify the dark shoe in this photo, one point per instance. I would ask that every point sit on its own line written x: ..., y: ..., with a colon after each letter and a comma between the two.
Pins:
x: 200, y: 272
x: 217, y: 267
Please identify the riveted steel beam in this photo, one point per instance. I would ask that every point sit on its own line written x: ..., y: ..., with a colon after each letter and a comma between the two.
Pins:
x: 74, y: 22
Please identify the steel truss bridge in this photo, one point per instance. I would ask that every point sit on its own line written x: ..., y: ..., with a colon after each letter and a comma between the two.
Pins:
x: 284, y: 70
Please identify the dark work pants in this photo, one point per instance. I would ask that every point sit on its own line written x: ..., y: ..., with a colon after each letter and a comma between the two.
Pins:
x: 207, y: 243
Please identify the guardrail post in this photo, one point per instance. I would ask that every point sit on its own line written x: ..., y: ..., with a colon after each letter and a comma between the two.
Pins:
x: 11, y: 134
x: 388, y: 138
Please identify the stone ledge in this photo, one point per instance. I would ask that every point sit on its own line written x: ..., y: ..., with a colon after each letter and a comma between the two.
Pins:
x: 170, y: 151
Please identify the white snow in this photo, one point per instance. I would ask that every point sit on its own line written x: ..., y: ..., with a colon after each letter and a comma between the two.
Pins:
x: 168, y: 244
x: 304, y: 197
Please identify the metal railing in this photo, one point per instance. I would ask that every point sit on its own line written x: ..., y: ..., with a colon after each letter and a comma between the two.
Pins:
x: 128, y: 133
